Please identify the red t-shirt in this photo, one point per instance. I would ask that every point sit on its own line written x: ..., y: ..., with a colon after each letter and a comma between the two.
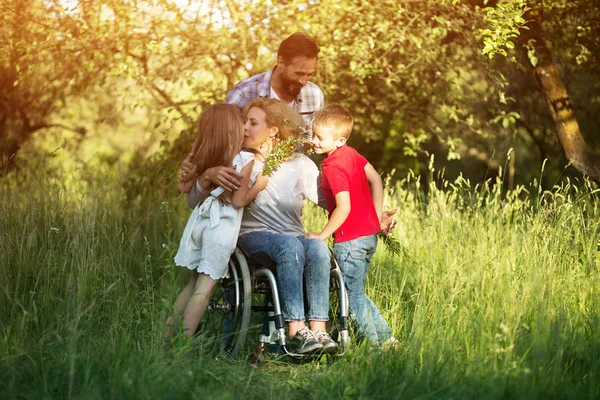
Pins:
x: 344, y: 171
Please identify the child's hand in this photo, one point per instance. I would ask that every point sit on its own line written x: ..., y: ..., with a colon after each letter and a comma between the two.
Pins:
x: 387, y: 223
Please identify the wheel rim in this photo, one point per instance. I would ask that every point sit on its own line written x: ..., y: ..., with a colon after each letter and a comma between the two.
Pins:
x: 218, y: 327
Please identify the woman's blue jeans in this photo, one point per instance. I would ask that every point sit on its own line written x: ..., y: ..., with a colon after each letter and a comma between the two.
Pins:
x: 353, y: 258
x: 300, y: 262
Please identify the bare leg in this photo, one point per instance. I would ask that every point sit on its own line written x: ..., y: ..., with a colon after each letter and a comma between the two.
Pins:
x: 180, y: 302
x: 196, y: 306
x: 295, y: 326
x: 316, y: 325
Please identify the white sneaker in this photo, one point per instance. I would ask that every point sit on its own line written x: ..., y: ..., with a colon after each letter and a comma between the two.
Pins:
x: 391, y: 344
x: 329, y: 345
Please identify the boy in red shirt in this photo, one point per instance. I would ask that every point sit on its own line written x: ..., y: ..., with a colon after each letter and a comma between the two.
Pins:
x: 354, y: 194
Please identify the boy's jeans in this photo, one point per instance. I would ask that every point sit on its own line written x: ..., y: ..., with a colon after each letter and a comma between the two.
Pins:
x: 298, y: 261
x: 354, y: 257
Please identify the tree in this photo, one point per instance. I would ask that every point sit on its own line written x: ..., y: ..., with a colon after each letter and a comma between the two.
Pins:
x: 410, y: 72
x: 551, y: 84
x: 50, y: 56
x: 522, y: 20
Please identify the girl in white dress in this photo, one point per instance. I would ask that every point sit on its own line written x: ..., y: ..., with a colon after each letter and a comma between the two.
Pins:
x: 211, y: 233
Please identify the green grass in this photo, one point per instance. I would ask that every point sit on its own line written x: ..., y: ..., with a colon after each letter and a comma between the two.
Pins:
x: 497, y: 297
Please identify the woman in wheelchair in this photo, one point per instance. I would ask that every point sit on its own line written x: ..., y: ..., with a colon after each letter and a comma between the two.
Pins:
x: 210, y: 235
x: 272, y: 225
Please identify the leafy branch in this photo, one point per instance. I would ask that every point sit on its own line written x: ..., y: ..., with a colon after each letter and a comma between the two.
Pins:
x: 505, y: 22
x: 393, y: 245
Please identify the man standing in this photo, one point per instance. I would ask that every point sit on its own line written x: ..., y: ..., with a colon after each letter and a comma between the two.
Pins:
x: 288, y: 81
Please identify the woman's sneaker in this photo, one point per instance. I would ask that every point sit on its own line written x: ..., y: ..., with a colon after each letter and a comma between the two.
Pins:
x: 329, y: 345
x: 304, y: 342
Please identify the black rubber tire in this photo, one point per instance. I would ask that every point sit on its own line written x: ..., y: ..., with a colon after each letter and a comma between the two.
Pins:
x: 245, y: 307
x: 333, y: 326
x: 225, y: 323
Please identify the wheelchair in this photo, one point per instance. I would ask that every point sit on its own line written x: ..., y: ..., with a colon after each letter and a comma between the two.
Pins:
x: 237, y: 307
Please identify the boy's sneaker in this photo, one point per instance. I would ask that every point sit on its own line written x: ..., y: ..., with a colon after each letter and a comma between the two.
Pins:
x: 304, y: 342
x: 391, y: 344
x: 329, y: 345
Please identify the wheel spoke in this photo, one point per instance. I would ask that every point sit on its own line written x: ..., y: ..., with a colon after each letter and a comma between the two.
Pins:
x: 225, y: 323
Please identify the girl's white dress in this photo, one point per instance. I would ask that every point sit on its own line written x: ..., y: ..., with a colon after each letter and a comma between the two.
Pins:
x: 211, y: 233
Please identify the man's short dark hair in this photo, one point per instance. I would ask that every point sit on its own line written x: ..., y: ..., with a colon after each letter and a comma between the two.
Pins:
x: 298, y: 44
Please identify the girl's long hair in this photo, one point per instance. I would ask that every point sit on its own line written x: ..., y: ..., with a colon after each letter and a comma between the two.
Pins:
x: 219, y: 139
x: 290, y: 123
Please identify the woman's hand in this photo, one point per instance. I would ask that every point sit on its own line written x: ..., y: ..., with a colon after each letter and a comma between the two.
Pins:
x: 387, y: 223
x: 226, y: 177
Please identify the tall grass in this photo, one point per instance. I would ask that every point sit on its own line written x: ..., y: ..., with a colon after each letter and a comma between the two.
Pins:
x: 497, y: 297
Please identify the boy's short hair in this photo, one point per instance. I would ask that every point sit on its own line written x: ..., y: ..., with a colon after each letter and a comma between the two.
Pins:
x: 336, y: 116
x: 298, y: 44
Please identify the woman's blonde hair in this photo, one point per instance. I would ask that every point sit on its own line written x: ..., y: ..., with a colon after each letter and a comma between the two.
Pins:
x: 279, y: 114
x: 218, y: 140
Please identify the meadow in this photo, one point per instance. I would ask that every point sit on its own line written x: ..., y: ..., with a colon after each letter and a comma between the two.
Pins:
x: 497, y: 296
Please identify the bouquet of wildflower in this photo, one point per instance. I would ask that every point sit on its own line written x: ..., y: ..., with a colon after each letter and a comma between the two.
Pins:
x: 392, y: 245
x: 282, y: 150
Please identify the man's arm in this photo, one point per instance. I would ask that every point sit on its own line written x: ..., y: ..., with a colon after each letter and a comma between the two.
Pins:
x: 194, y: 195
x: 320, y: 194
x: 337, y: 217
x: 185, y: 186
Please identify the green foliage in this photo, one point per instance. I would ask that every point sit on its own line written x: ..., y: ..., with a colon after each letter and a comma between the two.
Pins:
x: 505, y: 21
x: 577, y: 20
x: 506, y: 119
x: 411, y: 73
x: 392, y: 245
x: 41, y: 67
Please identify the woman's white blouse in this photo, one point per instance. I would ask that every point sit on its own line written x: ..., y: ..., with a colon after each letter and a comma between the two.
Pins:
x: 278, y: 208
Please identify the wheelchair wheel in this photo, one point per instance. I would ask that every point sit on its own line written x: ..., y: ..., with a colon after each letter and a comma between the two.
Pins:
x: 333, y: 325
x: 225, y: 324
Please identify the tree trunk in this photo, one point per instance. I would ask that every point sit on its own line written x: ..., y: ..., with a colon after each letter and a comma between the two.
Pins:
x: 9, y: 147
x: 584, y: 158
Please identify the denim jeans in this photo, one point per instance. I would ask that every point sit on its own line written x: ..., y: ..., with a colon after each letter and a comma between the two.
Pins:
x: 296, y: 257
x: 353, y: 258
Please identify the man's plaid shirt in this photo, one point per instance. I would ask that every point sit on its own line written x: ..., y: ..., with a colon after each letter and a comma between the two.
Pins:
x: 309, y: 100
